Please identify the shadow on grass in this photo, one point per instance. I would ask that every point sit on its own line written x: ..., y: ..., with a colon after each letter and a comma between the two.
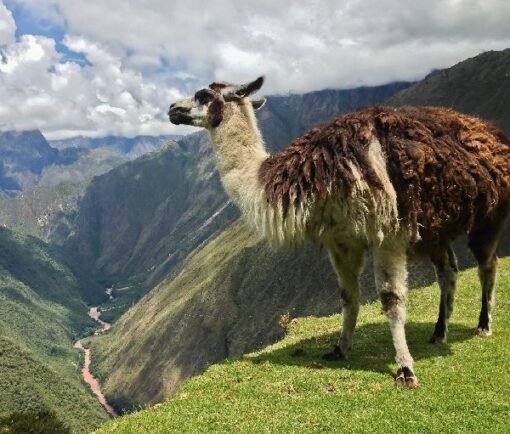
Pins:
x: 372, y: 349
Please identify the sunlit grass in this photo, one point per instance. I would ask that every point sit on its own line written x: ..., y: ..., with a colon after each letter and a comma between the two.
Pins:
x: 463, y: 384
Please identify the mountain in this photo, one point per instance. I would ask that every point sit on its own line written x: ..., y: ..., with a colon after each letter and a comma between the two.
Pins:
x: 138, y: 221
x: 288, y: 388
x: 23, y: 154
x: 284, y: 118
x: 27, y: 161
x: 479, y: 86
x: 132, y: 147
x: 41, y: 314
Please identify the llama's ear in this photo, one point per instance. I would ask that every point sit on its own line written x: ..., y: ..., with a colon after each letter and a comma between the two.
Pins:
x: 250, y: 88
x: 258, y: 104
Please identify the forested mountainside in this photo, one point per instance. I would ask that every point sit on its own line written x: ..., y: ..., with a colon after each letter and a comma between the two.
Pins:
x: 47, y: 213
x: 41, y: 314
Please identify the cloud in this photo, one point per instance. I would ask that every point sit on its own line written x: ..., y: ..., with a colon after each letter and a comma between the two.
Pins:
x: 40, y: 89
x: 7, y: 26
x: 156, y: 49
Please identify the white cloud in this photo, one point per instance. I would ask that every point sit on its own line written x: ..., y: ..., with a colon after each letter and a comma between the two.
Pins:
x: 39, y: 89
x: 7, y: 25
x: 143, y: 53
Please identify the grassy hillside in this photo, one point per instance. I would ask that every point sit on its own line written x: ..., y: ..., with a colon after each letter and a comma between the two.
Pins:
x: 288, y: 388
x: 41, y: 313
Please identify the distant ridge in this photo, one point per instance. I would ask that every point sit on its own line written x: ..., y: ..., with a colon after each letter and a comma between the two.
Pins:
x: 133, y: 147
x: 479, y: 86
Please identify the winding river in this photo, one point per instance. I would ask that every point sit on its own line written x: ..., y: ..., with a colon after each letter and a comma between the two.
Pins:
x: 87, y: 375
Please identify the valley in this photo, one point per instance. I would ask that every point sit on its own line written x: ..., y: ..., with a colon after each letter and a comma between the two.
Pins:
x: 89, y: 379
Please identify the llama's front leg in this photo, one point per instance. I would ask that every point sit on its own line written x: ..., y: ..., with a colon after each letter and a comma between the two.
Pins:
x: 348, y: 264
x: 390, y: 267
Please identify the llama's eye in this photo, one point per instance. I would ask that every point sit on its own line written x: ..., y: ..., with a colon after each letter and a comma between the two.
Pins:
x: 203, y: 96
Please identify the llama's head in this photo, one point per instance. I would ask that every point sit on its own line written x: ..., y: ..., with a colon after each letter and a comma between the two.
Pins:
x: 205, y: 108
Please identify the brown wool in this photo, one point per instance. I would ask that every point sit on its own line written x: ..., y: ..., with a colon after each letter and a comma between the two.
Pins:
x: 449, y: 170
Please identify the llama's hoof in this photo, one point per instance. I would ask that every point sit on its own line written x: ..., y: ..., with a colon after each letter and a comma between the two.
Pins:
x: 483, y: 332
x: 437, y: 339
x: 405, y: 377
x: 335, y: 355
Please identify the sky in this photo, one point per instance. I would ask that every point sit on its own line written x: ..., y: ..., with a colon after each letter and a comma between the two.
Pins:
x: 112, y: 67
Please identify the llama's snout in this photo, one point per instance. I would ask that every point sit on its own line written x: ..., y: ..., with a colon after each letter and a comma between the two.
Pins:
x: 178, y: 114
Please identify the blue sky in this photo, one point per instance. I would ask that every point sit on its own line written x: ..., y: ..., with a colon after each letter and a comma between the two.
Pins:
x: 28, y: 22
x: 96, y: 67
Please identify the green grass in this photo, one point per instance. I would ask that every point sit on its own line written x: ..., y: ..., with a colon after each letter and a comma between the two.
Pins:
x: 463, y: 384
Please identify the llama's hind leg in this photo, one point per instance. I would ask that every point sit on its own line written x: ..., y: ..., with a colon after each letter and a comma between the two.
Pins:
x: 390, y: 268
x: 483, y: 243
x: 348, y: 264
x: 445, y: 264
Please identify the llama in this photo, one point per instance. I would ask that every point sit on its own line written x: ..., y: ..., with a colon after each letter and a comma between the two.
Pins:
x: 393, y: 180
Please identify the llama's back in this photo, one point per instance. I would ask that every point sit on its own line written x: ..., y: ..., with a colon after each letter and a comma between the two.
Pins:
x: 450, y: 170
x: 447, y: 169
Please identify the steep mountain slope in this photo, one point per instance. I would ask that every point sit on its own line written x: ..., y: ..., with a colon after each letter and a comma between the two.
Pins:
x: 47, y: 213
x: 41, y: 313
x: 139, y: 221
x: 288, y: 388
x: 478, y: 86
x: 227, y: 299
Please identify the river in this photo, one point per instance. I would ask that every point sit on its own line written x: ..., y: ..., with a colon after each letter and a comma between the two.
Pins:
x: 94, y: 313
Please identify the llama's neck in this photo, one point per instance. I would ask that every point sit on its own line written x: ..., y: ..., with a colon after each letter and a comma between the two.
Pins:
x: 240, y: 152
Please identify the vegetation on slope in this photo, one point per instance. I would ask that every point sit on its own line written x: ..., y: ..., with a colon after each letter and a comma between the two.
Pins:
x: 139, y: 221
x: 226, y: 300
x: 47, y: 213
x: 288, y: 388
x: 41, y: 313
